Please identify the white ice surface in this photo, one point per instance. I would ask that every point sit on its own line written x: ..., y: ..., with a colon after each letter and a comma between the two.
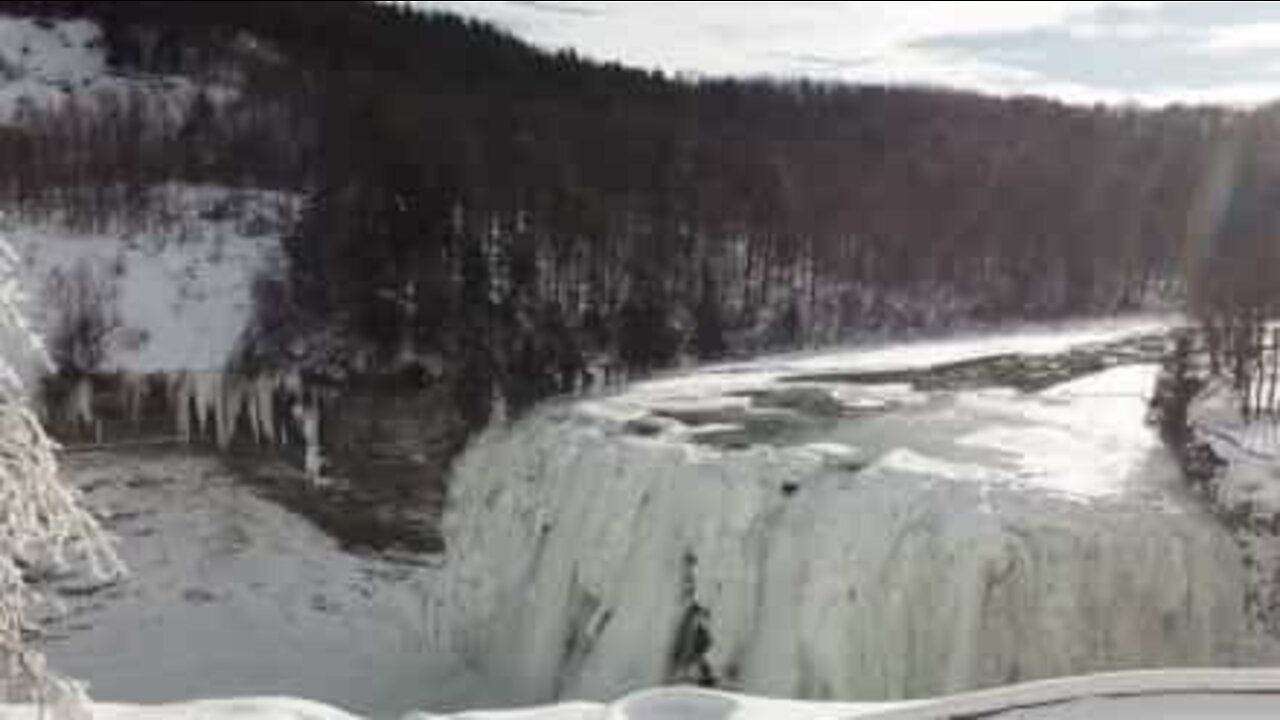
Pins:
x: 715, y: 385
x: 1032, y: 339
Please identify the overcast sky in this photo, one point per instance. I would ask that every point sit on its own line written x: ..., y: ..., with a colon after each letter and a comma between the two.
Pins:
x: 1149, y: 52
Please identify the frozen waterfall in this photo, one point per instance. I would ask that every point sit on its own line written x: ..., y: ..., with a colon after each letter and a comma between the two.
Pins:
x: 775, y: 531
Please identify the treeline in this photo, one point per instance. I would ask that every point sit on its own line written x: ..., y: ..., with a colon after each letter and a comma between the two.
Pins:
x: 93, y: 160
x: 1232, y: 257
x: 511, y: 218
x: 1233, y: 250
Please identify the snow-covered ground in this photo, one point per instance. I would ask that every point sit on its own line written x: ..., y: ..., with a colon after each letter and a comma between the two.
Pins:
x: 182, y: 289
x: 823, y: 537
x: 1245, y: 491
x: 231, y: 595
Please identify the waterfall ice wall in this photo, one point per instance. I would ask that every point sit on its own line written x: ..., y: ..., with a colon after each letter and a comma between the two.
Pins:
x: 592, y: 553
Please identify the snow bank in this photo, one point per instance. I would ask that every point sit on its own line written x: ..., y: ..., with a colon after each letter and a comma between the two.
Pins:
x: 239, y: 709
x: 959, y: 541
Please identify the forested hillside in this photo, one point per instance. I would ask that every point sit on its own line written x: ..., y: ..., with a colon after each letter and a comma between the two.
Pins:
x: 504, y: 218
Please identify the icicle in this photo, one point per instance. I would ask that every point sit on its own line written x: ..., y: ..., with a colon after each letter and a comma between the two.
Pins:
x: 498, y: 415
x: 264, y: 400
x: 307, y: 415
x: 208, y: 393
x: 250, y: 405
x: 133, y: 390
x: 291, y: 382
x: 180, y: 395
x: 230, y: 406
x: 80, y: 402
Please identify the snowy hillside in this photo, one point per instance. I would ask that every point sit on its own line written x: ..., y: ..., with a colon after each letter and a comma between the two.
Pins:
x: 181, y: 257
x: 179, y: 291
x: 44, y: 63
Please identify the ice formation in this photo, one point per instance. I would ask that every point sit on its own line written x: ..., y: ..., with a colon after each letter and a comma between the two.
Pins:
x: 217, y: 406
x: 960, y: 541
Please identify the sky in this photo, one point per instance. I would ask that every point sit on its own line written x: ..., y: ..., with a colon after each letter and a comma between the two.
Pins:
x: 1149, y: 53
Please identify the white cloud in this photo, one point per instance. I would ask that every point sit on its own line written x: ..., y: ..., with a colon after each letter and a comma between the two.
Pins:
x: 987, y: 45
x: 1095, y: 29
x: 1228, y: 39
x: 747, y: 38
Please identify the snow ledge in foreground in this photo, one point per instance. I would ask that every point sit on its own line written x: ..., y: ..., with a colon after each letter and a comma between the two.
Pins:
x: 1184, y: 694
